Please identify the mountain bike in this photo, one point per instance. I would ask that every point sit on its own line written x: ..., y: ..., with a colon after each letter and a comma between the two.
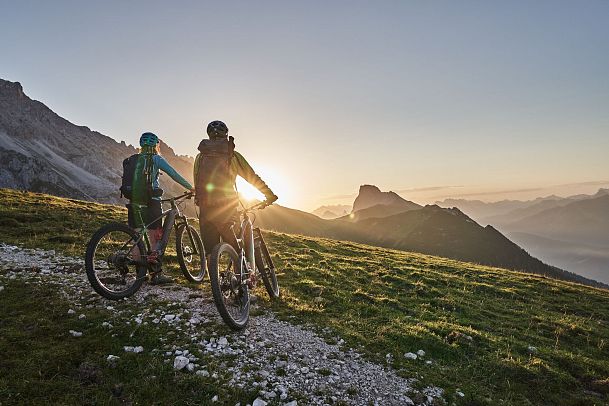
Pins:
x: 232, y: 274
x: 117, y: 255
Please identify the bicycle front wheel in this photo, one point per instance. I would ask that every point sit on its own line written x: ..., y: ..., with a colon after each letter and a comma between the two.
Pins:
x: 265, y: 265
x: 112, y: 261
x: 231, y: 294
x: 191, y: 254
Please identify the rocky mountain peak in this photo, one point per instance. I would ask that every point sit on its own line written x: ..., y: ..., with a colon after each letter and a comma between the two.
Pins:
x: 43, y: 152
x: 370, y: 195
x: 11, y: 89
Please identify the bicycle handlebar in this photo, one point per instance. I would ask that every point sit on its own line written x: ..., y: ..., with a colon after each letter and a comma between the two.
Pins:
x: 260, y: 206
x: 185, y: 195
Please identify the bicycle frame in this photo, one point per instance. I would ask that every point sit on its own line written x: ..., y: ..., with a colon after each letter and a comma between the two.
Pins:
x: 247, y: 230
x: 173, y: 218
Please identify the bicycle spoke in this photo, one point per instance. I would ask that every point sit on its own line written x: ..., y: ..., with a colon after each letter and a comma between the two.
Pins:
x: 190, y: 254
x: 113, y: 259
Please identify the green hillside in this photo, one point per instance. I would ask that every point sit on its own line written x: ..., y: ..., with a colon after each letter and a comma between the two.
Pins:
x: 431, y: 230
x: 475, y: 323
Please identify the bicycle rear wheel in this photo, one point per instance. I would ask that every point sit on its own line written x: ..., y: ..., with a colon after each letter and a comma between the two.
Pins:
x: 191, y: 254
x: 112, y: 261
x: 265, y: 265
x: 231, y: 295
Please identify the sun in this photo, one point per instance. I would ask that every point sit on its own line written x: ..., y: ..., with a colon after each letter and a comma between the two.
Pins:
x: 272, y: 178
x: 247, y: 192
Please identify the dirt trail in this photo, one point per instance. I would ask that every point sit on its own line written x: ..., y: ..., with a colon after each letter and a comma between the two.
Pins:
x: 281, y: 360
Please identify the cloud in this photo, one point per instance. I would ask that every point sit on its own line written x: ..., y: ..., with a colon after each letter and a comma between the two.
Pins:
x: 427, y: 189
x: 337, y: 197
x: 591, y: 183
x: 410, y: 190
x: 500, y: 192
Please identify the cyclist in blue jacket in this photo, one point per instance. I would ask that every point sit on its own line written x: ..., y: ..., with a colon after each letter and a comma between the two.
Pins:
x: 145, y: 208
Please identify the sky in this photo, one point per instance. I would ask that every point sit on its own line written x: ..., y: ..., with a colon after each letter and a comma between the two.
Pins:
x: 433, y: 99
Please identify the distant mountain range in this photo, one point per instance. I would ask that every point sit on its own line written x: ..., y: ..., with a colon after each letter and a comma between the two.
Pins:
x: 42, y: 152
x: 397, y: 223
x: 507, y: 211
x: 332, y: 211
x: 569, y: 232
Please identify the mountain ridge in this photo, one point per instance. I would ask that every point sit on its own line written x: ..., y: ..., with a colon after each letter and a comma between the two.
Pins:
x: 44, y: 152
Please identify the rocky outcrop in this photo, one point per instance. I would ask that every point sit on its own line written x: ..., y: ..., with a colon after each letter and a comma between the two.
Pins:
x: 42, y: 152
x: 370, y: 195
x: 19, y: 171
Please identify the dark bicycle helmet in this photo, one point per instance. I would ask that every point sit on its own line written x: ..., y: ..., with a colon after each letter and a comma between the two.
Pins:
x: 217, y: 129
x: 148, y: 139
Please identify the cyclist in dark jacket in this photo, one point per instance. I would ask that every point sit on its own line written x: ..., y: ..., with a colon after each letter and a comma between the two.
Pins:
x: 146, y: 209
x: 215, y: 172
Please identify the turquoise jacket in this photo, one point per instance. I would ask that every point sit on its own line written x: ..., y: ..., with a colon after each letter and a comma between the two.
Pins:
x: 140, y: 192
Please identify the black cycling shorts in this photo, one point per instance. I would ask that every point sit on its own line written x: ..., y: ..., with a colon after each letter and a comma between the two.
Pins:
x: 152, y: 215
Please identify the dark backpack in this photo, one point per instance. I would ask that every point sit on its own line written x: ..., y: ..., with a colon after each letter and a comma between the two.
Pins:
x: 129, y: 165
x: 129, y: 168
x: 214, y: 183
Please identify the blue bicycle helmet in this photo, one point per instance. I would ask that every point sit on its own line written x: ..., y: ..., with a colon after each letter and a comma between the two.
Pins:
x: 148, y: 139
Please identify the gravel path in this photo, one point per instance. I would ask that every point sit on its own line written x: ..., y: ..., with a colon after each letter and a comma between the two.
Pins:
x: 281, y: 360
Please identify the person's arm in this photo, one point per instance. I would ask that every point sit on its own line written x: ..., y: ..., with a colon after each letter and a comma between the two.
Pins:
x: 246, y: 172
x: 195, y: 171
x: 163, y: 165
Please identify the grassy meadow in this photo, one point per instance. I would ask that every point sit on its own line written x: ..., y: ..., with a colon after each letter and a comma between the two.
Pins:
x: 476, y: 324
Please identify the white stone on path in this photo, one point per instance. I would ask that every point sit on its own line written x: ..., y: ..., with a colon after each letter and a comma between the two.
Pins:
x: 259, y: 402
x: 76, y: 333
x: 421, y: 353
x: 112, y: 358
x: 410, y: 355
x: 180, y: 362
x: 71, y: 311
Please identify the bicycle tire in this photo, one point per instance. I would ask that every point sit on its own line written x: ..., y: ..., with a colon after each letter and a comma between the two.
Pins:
x: 265, y: 266
x: 217, y: 286
x: 180, y: 234
x: 90, y: 268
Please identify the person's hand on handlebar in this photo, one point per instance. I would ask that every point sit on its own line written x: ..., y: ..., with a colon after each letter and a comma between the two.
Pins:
x: 190, y: 193
x: 270, y: 199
